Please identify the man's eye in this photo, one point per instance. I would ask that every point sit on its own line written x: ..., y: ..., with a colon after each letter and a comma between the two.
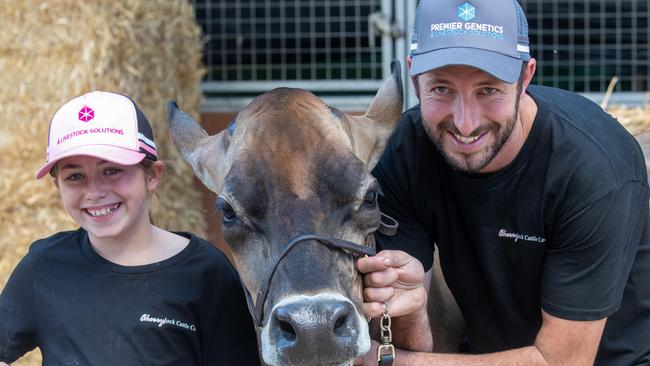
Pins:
x: 489, y: 91
x: 440, y: 90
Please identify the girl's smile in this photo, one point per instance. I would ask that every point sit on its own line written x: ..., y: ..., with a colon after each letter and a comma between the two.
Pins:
x: 105, y: 211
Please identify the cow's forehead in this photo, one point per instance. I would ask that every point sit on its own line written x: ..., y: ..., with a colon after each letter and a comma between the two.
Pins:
x: 293, y: 145
x: 283, y: 102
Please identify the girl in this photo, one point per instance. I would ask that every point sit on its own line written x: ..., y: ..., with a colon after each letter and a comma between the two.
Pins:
x: 119, y: 290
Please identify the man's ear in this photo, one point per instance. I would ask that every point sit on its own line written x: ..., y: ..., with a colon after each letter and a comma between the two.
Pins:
x: 529, y: 72
x: 414, y: 79
x: 154, y: 175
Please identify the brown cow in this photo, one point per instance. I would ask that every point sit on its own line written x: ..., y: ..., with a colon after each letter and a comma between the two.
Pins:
x: 293, y: 184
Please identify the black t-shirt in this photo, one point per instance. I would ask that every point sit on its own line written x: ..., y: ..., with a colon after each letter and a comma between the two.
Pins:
x: 564, y: 227
x: 81, y: 309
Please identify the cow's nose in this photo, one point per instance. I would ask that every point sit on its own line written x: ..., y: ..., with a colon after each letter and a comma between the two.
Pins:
x: 328, y: 327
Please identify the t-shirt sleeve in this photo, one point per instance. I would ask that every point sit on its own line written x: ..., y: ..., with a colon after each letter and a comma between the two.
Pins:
x: 393, y: 175
x: 17, y: 324
x: 233, y: 340
x: 590, y: 260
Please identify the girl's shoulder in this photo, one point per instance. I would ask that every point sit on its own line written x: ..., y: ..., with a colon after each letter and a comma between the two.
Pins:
x: 201, y: 248
x: 62, y: 240
x: 203, y: 259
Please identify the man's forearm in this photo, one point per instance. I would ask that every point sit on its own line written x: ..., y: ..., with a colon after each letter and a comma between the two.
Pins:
x: 412, y: 332
x: 528, y: 356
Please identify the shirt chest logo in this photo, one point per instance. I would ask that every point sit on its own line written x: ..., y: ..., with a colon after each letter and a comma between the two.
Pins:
x: 503, y: 233
x: 164, y: 321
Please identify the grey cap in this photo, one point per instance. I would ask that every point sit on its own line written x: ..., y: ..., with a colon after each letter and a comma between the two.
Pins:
x: 491, y: 35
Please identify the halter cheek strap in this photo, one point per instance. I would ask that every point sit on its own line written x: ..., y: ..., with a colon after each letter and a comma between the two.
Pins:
x: 388, y: 226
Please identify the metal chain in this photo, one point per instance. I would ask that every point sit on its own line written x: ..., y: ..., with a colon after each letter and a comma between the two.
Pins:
x: 386, y: 350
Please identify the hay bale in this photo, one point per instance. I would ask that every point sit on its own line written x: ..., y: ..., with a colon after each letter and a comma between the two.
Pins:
x: 635, y: 119
x: 54, y: 50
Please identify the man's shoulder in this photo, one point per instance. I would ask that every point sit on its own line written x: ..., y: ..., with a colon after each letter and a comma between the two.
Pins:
x: 410, y: 136
x: 411, y: 120
x: 595, y: 140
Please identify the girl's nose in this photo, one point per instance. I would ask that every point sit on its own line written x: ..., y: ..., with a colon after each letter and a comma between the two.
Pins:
x: 95, y: 189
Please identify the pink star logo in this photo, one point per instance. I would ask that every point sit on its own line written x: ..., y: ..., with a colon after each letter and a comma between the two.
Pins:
x: 86, y: 114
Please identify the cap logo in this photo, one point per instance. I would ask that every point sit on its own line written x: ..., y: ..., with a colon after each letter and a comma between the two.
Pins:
x: 466, y: 12
x: 86, y: 114
x: 469, y: 28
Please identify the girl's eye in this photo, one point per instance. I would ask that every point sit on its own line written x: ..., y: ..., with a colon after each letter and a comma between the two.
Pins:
x: 112, y: 171
x: 74, y: 177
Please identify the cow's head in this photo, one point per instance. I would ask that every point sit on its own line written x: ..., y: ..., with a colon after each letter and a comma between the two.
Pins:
x: 291, y: 165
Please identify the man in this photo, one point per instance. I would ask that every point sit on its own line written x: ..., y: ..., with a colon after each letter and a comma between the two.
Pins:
x: 536, y: 198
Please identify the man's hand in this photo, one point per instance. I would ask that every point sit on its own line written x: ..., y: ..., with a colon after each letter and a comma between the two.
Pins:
x: 392, y: 279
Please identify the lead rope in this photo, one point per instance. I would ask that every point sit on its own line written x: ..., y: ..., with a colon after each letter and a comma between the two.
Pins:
x: 386, y: 350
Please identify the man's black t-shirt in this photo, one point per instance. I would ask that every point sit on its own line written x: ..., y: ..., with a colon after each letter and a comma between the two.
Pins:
x: 563, y: 228
x: 81, y: 309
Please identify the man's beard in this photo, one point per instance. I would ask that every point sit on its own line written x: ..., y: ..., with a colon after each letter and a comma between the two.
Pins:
x: 471, y: 163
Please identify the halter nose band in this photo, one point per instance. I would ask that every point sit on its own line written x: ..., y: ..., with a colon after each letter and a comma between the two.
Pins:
x: 257, y: 309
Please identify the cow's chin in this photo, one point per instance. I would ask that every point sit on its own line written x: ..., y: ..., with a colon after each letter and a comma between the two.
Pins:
x: 324, y: 329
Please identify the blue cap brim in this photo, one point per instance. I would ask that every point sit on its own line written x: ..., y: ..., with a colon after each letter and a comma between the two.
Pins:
x: 503, y: 67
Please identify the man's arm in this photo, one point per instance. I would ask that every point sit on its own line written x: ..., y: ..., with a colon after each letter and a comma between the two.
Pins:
x: 392, y: 278
x: 559, y: 342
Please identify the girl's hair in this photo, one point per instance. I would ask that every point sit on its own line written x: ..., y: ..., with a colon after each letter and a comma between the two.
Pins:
x: 154, y: 204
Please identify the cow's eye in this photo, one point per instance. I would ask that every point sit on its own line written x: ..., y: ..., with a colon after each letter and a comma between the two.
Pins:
x: 227, y: 211
x: 370, y: 199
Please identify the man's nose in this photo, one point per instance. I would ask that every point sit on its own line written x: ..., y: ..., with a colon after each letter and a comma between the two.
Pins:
x: 464, y: 116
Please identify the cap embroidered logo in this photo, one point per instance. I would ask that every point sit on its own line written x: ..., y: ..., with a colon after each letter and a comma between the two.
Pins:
x: 86, y: 114
x: 466, y: 12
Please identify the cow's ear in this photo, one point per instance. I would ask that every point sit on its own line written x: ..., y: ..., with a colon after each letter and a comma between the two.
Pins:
x: 372, y: 130
x: 208, y: 155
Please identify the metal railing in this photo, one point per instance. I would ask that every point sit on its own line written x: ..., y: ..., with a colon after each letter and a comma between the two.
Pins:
x: 330, y: 47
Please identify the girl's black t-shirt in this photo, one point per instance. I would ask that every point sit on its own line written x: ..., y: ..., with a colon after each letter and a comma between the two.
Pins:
x: 81, y: 309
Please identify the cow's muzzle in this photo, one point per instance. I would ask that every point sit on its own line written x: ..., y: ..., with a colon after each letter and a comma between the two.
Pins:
x: 327, y: 324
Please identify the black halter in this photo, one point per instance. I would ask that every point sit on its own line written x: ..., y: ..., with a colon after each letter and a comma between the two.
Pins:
x: 386, y: 228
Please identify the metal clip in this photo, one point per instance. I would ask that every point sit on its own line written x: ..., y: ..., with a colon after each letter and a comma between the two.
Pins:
x: 386, y: 346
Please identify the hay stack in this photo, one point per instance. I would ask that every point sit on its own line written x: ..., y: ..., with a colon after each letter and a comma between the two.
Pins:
x: 635, y: 119
x: 54, y: 50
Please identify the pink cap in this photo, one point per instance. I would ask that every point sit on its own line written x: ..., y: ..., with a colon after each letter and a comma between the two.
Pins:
x: 104, y: 125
